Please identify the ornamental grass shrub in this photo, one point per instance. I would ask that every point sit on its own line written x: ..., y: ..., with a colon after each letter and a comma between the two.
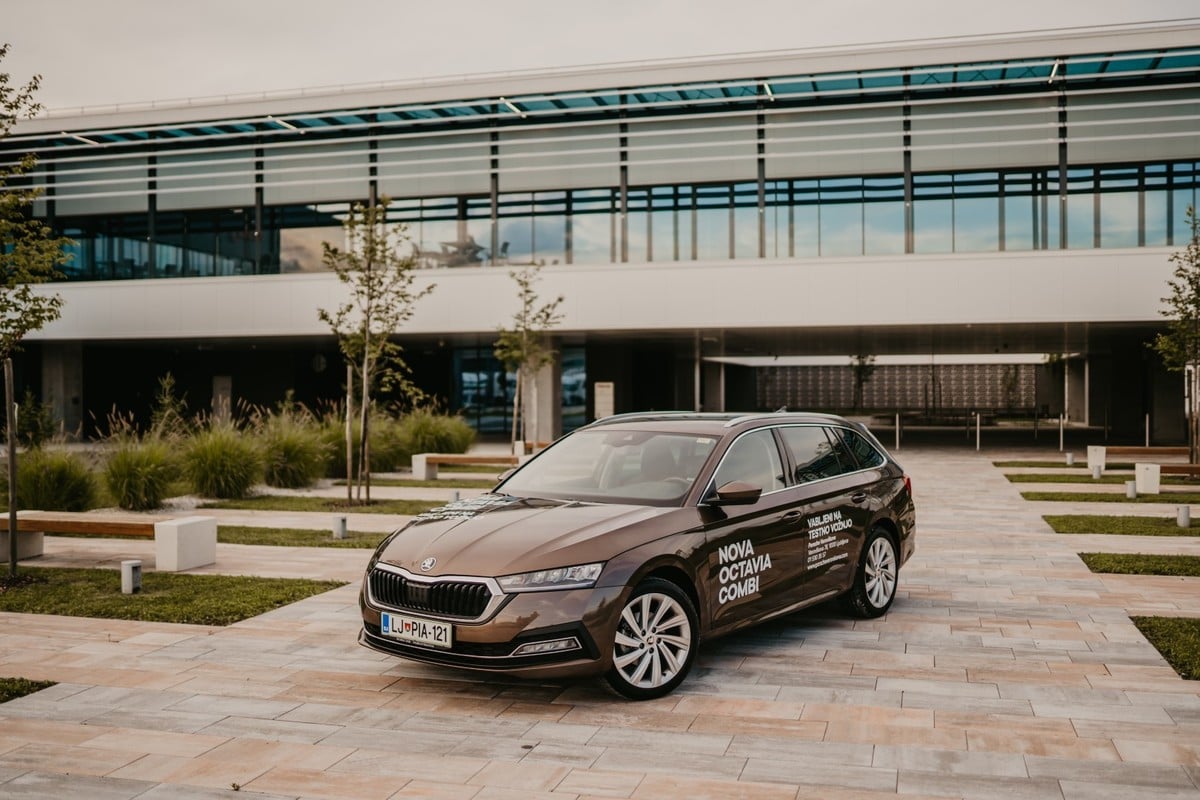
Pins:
x: 139, y: 474
x: 221, y: 461
x: 295, y: 452
x: 54, y: 480
x: 389, y: 447
x: 426, y: 431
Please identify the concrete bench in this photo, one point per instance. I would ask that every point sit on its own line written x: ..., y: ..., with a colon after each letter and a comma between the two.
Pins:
x: 179, y: 542
x: 425, y: 465
x: 1191, y: 470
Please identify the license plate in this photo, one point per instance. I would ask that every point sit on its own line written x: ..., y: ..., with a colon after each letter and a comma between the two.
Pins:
x: 416, y: 630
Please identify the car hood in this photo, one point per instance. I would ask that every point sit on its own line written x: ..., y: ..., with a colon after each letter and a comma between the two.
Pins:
x: 497, y: 535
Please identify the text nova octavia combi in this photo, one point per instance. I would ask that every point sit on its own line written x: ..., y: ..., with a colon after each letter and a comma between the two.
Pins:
x: 625, y: 544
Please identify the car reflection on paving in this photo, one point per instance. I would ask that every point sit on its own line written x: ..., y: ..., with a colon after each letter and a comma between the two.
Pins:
x: 626, y: 543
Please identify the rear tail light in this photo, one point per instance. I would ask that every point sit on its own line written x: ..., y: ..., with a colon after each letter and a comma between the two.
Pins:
x: 908, y: 485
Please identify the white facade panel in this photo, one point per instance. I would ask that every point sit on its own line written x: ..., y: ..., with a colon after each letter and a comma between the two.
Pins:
x: 434, y: 166
x: 985, y: 135
x: 98, y: 186
x: 824, y: 142
x: 689, y: 150
x: 570, y: 157
x: 1063, y: 286
x: 218, y: 179
x: 318, y: 172
x: 1133, y: 126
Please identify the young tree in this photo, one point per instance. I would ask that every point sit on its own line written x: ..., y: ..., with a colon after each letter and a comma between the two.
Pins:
x: 379, y: 276
x: 863, y: 366
x: 1179, y: 347
x: 30, y: 253
x: 524, y: 348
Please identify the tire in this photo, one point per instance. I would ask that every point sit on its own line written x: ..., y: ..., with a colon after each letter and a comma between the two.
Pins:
x: 650, y: 661
x: 874, y: 586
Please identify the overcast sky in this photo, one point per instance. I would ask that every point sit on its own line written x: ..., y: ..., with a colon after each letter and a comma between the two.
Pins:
x: 100, y: 52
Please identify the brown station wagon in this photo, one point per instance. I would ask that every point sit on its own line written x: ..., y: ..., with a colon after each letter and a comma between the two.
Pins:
x: 627, y: 543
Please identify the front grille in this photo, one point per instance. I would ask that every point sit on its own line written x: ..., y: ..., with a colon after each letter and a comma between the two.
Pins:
x: 446, y: 598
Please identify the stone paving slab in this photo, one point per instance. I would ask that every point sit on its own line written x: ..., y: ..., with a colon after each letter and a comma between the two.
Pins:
x: 1005, y: 670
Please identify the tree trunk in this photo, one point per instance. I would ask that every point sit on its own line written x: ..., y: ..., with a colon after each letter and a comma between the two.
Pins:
x: 516, y: 413
x: 531, y: 419
x: 11, y: 430
x: 1194, y: 414
x: 349, y: 433
x: 364, y: 464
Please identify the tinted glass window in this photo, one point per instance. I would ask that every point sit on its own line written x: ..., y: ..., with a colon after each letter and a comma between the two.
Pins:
x: 816, y: 453
x: 754, y: 459
x: 864, y: 452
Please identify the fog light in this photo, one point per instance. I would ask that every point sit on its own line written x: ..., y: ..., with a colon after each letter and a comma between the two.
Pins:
x: 552, y: 646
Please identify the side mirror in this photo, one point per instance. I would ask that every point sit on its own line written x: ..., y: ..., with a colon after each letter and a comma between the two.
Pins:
x: 736, y: 493
x: 503, y: 476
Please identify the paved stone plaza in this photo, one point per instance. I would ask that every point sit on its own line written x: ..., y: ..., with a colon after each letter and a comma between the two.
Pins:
x: 1005, y: 670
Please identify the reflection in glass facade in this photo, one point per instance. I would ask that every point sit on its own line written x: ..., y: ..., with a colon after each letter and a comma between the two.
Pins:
x: 968, y: 212
x: 483, y: 391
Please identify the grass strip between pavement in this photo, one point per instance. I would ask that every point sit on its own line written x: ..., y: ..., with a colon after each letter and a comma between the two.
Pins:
x: 440, y: 483
x: 295, y: 537
x: 1176, y: 498
x: 1178, y: 639
x: 1119, y: 526
x: 1073, y: 477
x: 165, y: 596
x: 1143, y: 564
x: 12, y: 688
x: 1061, y: 463
x: 276, y: 502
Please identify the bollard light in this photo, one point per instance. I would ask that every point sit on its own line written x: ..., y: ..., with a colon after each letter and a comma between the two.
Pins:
x: 1183, y: 516
x: 1131, y: 490
x: 131, y: 577
x: 339, y: 526
x: 1097, y: 471
x: 1070, y: 459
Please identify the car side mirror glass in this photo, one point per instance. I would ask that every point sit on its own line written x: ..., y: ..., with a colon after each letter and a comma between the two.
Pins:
x: 736, y: 493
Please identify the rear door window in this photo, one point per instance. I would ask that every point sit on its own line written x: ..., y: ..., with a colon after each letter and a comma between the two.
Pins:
x: 816, y: 452
x: 864, y: 452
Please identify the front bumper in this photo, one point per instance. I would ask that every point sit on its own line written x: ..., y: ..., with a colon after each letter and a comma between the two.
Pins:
x: 588, y: 615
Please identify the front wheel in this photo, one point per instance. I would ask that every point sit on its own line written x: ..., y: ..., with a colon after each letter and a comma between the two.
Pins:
x: 655, y: 641
x: 874, y: 586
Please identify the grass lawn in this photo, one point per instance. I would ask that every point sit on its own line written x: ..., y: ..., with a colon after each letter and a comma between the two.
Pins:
x: 1178, y: 639
x: 295, y: 537
x: 12, y: 688
x: 1142, y: 564
x: 1176, y: 498
x: 1068, y: 477
x: 165, y: 596
x: 272, y: 502
x: 1122, y: 526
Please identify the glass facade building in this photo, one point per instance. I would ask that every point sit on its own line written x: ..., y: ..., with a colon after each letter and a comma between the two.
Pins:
x: 1029, y: 147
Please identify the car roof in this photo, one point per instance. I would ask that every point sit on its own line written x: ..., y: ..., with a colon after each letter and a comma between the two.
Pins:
x: 714, y: 423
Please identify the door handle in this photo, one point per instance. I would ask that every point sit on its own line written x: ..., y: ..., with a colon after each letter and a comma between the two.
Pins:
x: 858, y: 497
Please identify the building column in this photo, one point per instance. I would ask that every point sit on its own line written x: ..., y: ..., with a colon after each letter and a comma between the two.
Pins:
x: 62, y: 383
x: 545, y: 421
x: 1075, y: 383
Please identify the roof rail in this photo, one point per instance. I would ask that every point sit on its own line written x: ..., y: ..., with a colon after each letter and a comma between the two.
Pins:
x: 649, y: 416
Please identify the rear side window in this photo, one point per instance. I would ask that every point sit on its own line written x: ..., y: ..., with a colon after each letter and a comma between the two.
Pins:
x: 816, y: 453
x: 864, y: 452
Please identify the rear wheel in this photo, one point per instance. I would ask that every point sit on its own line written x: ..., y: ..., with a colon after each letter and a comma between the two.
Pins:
x: 874, y: 586
x: 655, y: 641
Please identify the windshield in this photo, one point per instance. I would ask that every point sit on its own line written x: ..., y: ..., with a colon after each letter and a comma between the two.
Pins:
x: 614, y: 466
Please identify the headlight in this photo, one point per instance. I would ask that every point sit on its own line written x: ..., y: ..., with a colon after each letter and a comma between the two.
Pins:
x: 544, y: 580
